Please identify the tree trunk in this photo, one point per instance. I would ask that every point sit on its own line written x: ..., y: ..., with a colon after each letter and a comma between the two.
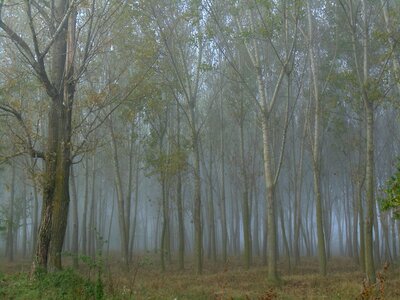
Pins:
x: 75, y: 222
x: 369, y: 255
x: 84, y: 229
x: 10, y: 225
x: 134, y: 223
x: 211, y: 214
x: 224, y: 229
x: 35, y: 220
x: 24, y: 220
x: 198, y: 236
x: 181, y: 220
x: 316, y: 149
x: 270, y: 188
x: 165, y: 223
x: 256, y: 221
x: 120, y: 201
x: 92, y: 213
x: 245, y: 197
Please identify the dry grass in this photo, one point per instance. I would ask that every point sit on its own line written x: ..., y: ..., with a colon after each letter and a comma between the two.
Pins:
x: 232, y: 281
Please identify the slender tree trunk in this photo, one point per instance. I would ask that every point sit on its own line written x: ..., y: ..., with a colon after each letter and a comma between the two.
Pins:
x: 93, y: 231
x: 361, y: 224
x: 393, y: 236
x: 24, y: 220
x: 165, y: 223
x: 224, y: 229
x: 84, y: 227
x: 270, y: 188
x: 35, y: 220
x: 10, y: 225
x: 134, y: 223
x: 211, y: 214
x: 120, y: 201
x: 256, y: 221
x: 198, y: 236
x: 245, y: 198
x: 387, y: 256
x: 284, y: 237
x: 316, y: 149
x: 369, y: 255
x: 181, y: 220
x: 110, y: 224
x: 356, y: 248
x: 298, y: 194
x: 75, y: 221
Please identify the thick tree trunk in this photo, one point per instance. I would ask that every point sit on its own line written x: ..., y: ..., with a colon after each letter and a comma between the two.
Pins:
x: 57, y: 161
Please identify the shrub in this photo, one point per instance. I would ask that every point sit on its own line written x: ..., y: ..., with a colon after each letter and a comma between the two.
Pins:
x: 66, y: 284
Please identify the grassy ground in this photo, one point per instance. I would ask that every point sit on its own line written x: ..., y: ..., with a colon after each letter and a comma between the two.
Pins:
x: 230, y: 281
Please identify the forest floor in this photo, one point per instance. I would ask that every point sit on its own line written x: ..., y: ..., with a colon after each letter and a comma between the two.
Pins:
x: 229, y: 281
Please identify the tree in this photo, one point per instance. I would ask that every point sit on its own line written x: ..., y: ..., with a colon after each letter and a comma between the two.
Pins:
x: 252, y: 30
x: 368, y: 69
x: 184, y: 44
x: 316, y: 143
x: 58, y: 54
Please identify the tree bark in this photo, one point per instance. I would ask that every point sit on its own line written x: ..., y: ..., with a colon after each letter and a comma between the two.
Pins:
x: 316, y: 149
x: 120, y: 200
x: 245, y: 197
x: 75, y: 222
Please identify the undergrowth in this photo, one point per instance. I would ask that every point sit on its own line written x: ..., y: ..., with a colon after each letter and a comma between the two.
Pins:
x: 66, y: 284
x: 219, y: 281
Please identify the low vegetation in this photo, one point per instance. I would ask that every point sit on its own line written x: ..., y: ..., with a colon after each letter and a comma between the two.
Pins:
x: 230, y: 281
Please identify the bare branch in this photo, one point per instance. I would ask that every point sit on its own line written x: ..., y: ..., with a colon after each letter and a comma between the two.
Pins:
x: 44, y: 14
x: 60, y: 27
x: 28, y: 142
x: 32, y: 28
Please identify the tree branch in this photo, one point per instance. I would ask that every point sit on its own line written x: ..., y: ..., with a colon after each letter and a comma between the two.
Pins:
x: 28, y: 143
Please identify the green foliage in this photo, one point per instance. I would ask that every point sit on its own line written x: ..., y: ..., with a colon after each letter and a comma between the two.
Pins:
x: 96, y: 264
x: 391, y: 199
x: 66, y: 284
x: 167, y: 164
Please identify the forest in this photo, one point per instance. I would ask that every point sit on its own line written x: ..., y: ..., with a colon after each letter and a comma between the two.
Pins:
x: 199, y: 149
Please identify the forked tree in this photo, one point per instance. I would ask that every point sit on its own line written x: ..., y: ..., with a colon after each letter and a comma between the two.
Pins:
x: 57, y: 47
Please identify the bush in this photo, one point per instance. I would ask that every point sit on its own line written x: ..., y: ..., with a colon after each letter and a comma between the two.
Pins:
x: 66, y: 284
x: 391, y: 199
